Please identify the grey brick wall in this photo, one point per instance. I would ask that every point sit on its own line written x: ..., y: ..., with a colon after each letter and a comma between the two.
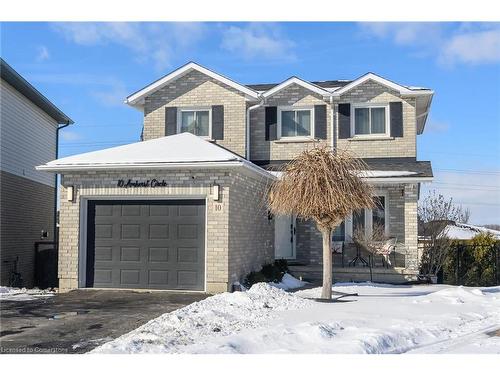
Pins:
x: 293, y: 95
x: 251, y: 234
x: 196, y: 89
x: 227, y: 244
x: 372, y: 92
x: 26, y: 208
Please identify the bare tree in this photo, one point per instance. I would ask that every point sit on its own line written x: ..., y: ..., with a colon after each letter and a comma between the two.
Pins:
x: 325, y: 187
x: 435, y: 212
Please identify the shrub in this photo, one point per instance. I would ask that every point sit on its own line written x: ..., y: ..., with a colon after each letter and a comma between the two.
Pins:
x: 477, y: 262
x: 270, y: 272
x: 282, y: 266
x: 254, y: 278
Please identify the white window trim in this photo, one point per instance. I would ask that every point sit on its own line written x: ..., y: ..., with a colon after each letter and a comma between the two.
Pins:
x: 370, y: 105
x: 296, y: 108
x: 369, y: 219
x: 191, y: 109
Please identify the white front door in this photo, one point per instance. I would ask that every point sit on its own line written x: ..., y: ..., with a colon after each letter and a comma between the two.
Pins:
x: 284, y: 237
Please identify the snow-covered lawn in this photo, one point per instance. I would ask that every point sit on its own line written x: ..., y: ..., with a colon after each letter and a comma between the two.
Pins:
x: 22, y: 294
x: 381, y: 319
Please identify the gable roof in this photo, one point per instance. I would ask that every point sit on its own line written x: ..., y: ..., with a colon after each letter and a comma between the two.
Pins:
x: 257, y: 92
x: 393, y: 85
x: 328, y: 85
x: 137, y: 97
x: 174, y: 151
x: 14, y: 79
x: 297, y: 81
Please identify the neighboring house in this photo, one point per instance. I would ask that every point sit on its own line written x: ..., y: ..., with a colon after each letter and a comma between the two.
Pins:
x: 28, y: 125
x: 179, y: 211
x: 462, y: 231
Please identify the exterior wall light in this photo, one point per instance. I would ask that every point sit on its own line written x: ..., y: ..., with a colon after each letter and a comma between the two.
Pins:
x: 70, y: 193
x: 215, y: 192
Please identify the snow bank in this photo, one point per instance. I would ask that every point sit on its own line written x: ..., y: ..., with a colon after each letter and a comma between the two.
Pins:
x: 381, y: 319
x: 289, y: 282
x: 220, y: 315
x: 23, y: 294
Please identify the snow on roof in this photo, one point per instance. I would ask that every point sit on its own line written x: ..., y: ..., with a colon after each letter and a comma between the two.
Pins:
x: 178, y: 149
x: 375, y: 173
x: 460, y: 231
x: 367, y: 174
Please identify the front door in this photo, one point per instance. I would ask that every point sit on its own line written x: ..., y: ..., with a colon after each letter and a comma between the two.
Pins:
x: 284, y: 237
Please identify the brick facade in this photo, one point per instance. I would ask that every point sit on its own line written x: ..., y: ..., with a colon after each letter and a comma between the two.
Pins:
x: 227, y: 241
x: 293, y: 96
x: 373, y: 92
x: 196, y: 89
x: 240, y: 237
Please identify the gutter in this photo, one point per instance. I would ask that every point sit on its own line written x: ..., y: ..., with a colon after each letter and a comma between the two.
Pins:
x: 55, y: 180
x: 179, y: 165
x: 332, y: 115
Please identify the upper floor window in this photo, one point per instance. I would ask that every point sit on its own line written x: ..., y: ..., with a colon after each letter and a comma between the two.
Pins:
x: 195, y: 121
x: 295, y: 122
x: 370, y: 120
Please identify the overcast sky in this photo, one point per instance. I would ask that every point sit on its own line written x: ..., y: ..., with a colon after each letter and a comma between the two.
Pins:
x: 87, y: 69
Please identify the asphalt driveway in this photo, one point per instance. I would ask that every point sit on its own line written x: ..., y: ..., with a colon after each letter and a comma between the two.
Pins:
x: 78, y: 321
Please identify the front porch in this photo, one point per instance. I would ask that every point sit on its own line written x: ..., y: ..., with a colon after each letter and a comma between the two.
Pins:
x: 354, y: 266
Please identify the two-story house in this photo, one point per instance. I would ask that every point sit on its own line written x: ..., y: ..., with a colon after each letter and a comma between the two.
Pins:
x: 28, y: 137
x: 186, y: 208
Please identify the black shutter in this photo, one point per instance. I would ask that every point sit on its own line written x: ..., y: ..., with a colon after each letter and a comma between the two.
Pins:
x: 170, y: 120
x: 217, y: 122
x: 396, y: 109
x: 271, y: 123
x: 320, y: 121
x: 344, y: 121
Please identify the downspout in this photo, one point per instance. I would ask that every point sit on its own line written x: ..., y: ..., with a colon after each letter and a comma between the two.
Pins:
x: 332, y: 115
x: 247, y: 128
x: 55, y: 182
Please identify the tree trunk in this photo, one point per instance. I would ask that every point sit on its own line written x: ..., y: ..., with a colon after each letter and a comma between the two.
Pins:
x: 326, y: 292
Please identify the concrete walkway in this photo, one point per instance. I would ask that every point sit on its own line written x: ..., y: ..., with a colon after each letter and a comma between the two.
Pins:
x: 78, y: 321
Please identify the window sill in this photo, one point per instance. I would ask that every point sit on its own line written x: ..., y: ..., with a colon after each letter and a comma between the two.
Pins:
x: 296, y: 140
x: 381, y: 138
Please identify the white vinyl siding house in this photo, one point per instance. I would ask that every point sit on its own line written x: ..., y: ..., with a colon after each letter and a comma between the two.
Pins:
x: 28, y: 134
x: 24, y: 145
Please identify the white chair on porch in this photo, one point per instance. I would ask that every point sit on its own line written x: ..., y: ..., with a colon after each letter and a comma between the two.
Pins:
x: 385, y: 249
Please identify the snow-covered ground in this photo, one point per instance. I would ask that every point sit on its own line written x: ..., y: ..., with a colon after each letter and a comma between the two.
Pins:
x: 381, y: 319
x: 22, y: 294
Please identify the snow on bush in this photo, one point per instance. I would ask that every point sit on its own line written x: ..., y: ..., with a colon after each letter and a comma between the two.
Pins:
x: 289, y: 282
x: 220, y: 315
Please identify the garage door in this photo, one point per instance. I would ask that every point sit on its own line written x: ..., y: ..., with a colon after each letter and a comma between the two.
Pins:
x: 146, y: 244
